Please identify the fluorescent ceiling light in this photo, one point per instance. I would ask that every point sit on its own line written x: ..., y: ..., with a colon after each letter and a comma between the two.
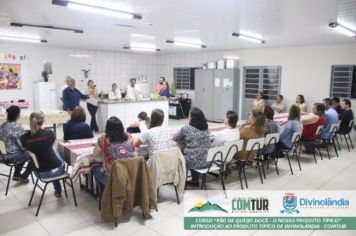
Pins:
x: 232, y: 57
x: 142, y: 36
x: 17, y: 24
x: 20, y: 38
x: 143, y: 49
x: 98, y: 7
x: 80, y: 55
x: 342, y: 29
x: 186, y: 44
x: 248, y: 38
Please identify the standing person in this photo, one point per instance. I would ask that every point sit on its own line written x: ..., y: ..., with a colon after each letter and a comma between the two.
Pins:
x: 115, y: 144
x: 40, y: 142
x: 279, y: 106
x: 195, y: 140
x: 288, y: 129
x: 72, y: 96
x: 300, y: 102
x: 66, y: 84
x: 164, y: 90
x: 10, y: 133
x: 76, y: 128
x: 159, y: 86
x: 259, y: 102
x: 335, y: 101
x: 92, y: 105
x: 114, y: 93
x: 156, y: 137
x: 331, y: 117
x: 345, y: 116
x: 310, y: 127
x: 133, y: 91
x: 252, y: 129
x: 230, y: 133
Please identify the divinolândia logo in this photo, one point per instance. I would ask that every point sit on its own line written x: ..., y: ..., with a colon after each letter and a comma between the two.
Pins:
x: 208, y: 206
x: 290, y: 203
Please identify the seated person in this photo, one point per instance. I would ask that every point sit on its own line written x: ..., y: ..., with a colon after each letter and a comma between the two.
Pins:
x: 114, y: 93
x: 253, y: 128
x: 230, y: 133
x: 259, y: 102
x: 289, y: 128
x: 139, y: 125
x: 345, y: 116
x: 309, y: 128
x: 195, y: 142
x: 76, y: 128
x: 164, y: 92
x: 300, y: 103
x: 331, y: 117
x: 156, y: 137
x: 10, y: 133
x: 279, y: 106
x: 335, y: 102
x: 115, y: 144
x: 159, y: 86
x: 40, y: 142
x: 271, y: 125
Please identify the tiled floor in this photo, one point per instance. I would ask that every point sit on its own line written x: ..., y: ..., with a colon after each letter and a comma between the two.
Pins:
x: 61, y: 217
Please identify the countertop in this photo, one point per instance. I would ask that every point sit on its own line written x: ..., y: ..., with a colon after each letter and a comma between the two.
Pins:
x: 107, y: 101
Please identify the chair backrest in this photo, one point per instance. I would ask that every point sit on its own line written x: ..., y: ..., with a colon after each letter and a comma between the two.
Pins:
x: 2, y: 148
x: 34, y: 161
x: 296, y: 137
x: 271, y: 139
x: 351, y: 124
x: 334, y: 128
x: 319, y: 130
x: 215, y: 153
x: 230, y: 148
x: 167, y: 154
x: 255, y: 144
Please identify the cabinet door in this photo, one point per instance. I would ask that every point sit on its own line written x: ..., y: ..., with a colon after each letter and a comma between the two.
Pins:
x: 219, y: 101
x: 204, y: 91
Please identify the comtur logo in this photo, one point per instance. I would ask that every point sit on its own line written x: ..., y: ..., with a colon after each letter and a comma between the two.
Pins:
x: 290, y: 204
x: 208, y: 206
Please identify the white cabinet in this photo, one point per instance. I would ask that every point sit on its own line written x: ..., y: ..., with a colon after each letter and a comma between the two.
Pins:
x: 45, y: 96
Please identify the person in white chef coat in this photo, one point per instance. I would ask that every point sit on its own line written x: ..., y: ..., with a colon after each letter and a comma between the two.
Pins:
x: 114, y: 93
x: 133, y: 91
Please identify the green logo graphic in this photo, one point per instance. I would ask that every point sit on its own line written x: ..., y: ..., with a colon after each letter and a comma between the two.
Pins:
x: 208, y: 206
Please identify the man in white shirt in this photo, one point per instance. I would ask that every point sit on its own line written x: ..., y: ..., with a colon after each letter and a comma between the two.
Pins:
x: 230, y: 133
x: 114, y: 93
x: 66, y: 81
x: 133, y: 91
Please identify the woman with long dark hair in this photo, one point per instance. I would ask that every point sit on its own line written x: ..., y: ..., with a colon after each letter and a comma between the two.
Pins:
x: 288, y: 129
x: 195, y: 141
x: 113, y: 145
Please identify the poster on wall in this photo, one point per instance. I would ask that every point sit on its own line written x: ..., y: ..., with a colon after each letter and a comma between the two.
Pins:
x: 10, y: 76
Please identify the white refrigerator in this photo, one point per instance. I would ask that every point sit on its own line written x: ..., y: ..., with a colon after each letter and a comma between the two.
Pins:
x: 45, y: 96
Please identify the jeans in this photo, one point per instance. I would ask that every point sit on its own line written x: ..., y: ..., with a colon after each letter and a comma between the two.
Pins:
x: 54, y: 173
x: 308, y: 145
x: 100, y: 177
x: 92, y: 110
x: 20, y: 159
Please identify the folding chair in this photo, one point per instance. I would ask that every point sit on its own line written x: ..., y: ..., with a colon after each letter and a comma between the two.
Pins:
x: 215, y: 156
x: 254, y: 146
x: 315, y: 143
x: 296, y: 141
x: 46, y: 181
x: 332, y: 139
x: 347, y: 135
x: 9, y: 164
x: 270, y: 147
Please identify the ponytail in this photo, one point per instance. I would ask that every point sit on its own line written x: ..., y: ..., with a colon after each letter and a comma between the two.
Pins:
x: 33, y: 126
x: 36, y: 120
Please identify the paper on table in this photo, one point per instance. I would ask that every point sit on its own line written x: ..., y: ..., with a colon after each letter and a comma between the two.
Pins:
x: 217, y: 82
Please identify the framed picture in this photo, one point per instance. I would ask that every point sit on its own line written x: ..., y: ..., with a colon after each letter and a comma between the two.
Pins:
x: 10, y: 76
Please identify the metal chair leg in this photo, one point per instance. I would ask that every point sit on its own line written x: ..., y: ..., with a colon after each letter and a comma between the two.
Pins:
x: 33, y: 192
x: 65, y: 188
x: 244, y: 173
x: 177, y: 196
x: 347, y: 143
x: 240, y: 176
x: 40, y: 203
x: 8, y: 180
x: 327, y: 151
x: 72, y: 186
x: 290, y: 166
x: 259, y: 171
x: 296, y: 155
x: 222, y: 180
x: 335, y: 147
x: 275, y: 163
x: 352, y: 145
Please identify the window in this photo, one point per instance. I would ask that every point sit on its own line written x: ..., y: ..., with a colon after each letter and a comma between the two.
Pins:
x: 184, y: 78
x: 262, y: 78
x: 343, y: 81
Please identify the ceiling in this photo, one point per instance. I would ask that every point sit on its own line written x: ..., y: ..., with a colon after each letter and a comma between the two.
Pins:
x: 279, y: 22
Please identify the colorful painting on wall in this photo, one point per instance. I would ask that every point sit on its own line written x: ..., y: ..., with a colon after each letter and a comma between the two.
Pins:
x: 10, y: 76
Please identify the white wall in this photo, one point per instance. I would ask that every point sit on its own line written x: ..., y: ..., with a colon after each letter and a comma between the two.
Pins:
x: 305, y: 70
x: 106, y: 67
